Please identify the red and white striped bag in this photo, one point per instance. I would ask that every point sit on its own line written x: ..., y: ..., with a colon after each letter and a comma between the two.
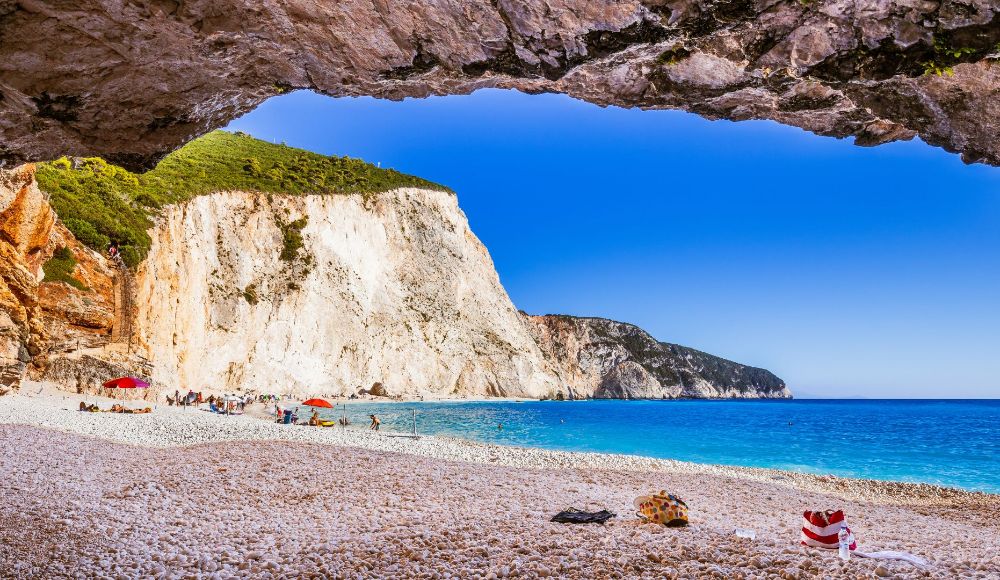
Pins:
x: 820, y: 529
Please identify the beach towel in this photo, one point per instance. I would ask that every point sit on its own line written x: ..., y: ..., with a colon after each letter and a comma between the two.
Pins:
x: 820, y: 529
x: 575, y: 516
x: 662, y: 508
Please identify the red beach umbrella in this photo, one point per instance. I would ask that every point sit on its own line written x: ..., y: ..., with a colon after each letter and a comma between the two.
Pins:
x: 126, y: 383
x: 318, y: 403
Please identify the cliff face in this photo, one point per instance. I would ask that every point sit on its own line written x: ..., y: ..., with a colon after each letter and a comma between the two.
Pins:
x: 391, y: 288
x: 130, y: 81
x: 313, y: 295
x: 40, y: 319
x: 605, y: 359
x: 25, y: 222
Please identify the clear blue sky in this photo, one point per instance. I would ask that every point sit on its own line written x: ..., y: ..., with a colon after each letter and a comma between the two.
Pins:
x: 847, y: 271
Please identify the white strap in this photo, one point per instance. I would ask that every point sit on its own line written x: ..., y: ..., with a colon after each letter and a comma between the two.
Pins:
x: 889, y: 555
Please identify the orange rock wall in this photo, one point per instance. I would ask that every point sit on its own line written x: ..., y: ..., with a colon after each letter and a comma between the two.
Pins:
x: 39, y: 319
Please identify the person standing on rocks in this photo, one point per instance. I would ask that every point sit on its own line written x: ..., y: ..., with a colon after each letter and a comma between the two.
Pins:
x: 375, y: 423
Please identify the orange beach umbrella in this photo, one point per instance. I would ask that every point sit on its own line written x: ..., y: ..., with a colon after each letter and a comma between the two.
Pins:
x: 318, y: 403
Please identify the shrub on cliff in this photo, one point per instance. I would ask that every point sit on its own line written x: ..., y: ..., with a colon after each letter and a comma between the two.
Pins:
x: 291, y: 238
x: 101, y: 203
x: 59, y: 268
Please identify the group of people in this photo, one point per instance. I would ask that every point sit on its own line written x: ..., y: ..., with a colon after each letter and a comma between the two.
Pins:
x: 317, y: 421
x: 217, y: 403
x: 286, y: 416
x: 115, y: 254
x: 291, y: 417
x: 229, y: 404
x: 192, y: 398
x: 116, y: 408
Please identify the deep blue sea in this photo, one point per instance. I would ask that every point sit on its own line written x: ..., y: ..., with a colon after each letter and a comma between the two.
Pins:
x: 945, y: 442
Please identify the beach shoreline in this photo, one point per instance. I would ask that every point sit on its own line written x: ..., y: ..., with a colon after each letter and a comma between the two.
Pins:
x: 234, y: 428
x: 370, y: 468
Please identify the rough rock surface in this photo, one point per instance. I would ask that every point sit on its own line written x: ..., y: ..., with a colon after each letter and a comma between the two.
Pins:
x: 83, y: 373
x: 605, y: 359
x: 25, y: 222
x: 75, y: 318
x: 41, y: 320
x: 392, y: 289
x: 132, y: 80
x: 43, y: 317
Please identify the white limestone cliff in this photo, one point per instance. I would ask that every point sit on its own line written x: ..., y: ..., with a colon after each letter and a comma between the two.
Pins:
x: 392, y: 288
x: 317, y: 295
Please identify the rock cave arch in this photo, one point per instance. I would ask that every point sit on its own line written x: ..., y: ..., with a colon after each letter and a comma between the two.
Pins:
x: 130, y: 80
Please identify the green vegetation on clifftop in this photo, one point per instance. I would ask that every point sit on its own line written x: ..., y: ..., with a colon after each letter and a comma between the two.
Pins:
x: 102, y: 203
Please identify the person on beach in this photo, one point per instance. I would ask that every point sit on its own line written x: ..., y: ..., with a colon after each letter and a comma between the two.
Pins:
x: 375, y: 423
x: 314, y: 420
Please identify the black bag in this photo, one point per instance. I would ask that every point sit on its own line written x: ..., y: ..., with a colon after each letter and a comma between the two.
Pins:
x: 575, y: 516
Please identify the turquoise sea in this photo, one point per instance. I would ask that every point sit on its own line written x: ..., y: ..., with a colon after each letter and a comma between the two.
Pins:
x: 945, y: 442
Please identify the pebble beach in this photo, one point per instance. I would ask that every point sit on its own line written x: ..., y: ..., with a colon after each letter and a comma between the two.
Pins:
x: 185, y: 493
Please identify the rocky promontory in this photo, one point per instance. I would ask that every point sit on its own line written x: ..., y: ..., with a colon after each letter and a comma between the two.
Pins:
x: 605, y: 359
